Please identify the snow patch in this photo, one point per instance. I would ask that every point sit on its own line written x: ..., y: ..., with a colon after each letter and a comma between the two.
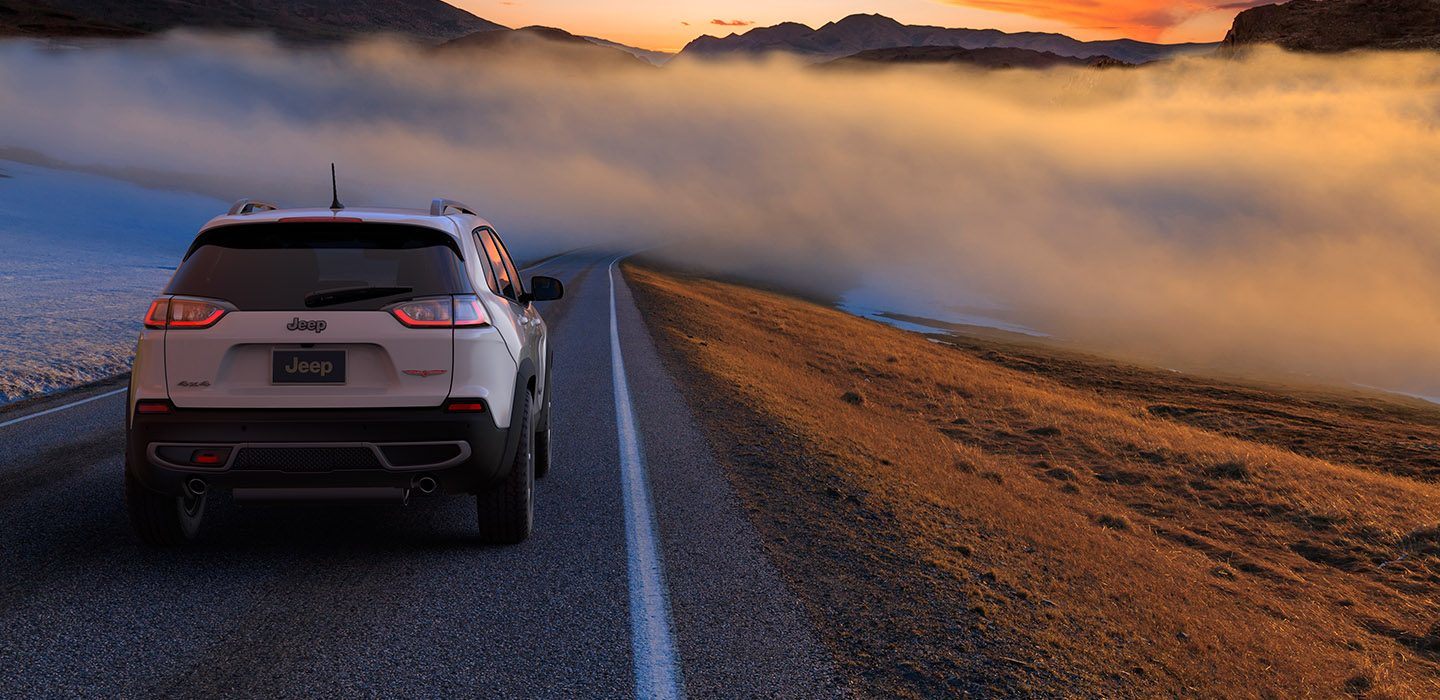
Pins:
x: 84, y: 255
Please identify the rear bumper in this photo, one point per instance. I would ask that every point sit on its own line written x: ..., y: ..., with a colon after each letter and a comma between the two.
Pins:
x: 310, y: 449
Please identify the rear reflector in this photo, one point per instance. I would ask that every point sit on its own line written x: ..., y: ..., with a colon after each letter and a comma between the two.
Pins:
x: 206, y: 458
x: 466, y: 407
x: 153, y: 406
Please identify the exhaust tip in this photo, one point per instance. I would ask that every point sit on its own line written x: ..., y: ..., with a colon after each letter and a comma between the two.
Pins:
x: 196, y: 487
x: 427, y: 485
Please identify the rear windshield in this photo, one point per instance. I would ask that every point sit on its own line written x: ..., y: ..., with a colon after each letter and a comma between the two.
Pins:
x: 340, y: 267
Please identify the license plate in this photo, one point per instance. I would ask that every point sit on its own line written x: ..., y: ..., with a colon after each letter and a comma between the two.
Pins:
x: 307, y: 366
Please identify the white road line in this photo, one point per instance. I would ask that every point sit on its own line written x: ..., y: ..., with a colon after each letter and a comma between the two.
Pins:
x: 57, y: 409
x: 652, y: 644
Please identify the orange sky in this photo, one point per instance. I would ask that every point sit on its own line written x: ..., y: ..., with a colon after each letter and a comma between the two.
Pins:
x: 1149, y: 20
x: 670, y: 24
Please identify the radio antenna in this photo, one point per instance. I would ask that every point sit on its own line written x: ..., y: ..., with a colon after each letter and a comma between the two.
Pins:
x: 335, y: 204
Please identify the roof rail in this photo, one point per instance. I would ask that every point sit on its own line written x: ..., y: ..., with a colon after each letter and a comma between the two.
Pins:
x: 440, y: 206
x: 249, y: 206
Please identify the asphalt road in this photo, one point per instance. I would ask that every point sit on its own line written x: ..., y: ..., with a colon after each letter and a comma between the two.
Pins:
x: 398, y: 601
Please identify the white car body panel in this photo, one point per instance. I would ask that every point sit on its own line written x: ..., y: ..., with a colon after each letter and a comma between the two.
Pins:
x: 229, y: 365
x: 480, y: 375
x: 147, y: 375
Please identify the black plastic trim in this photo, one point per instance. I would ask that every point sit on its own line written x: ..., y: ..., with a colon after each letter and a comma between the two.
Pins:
x: 523, y: 375
x: 491, y: 448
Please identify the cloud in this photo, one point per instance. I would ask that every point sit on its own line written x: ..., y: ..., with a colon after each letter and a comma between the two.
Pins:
x: 732, y: 22
x: 1274, y: 214
x: 1140, y: 19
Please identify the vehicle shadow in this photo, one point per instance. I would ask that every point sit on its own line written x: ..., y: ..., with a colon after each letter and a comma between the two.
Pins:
x: 425, y: 524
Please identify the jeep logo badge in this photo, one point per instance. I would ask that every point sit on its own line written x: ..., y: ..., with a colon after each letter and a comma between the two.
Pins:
x: 320, y: 368
x: 307, y: 366
x: 298, y: 325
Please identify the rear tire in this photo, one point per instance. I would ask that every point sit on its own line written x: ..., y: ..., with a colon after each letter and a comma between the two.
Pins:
x: 161, y: 520
x: 506, y: 511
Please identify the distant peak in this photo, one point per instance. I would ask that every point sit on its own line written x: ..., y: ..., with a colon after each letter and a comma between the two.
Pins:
x: 547, y: 32
x: 868, y: 17
x: 782, y: 28
x: 867, y: 20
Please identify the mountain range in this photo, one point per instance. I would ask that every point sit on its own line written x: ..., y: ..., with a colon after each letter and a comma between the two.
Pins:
x: 547, y: 44
x: 428, y: 20
x: 858, y: 33
x: 1300, y: 25
x: 654, y: 58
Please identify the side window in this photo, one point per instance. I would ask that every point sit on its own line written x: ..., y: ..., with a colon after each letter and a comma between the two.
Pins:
x: 503, y: 277
x: 509, y: 264
x: 481, y: 239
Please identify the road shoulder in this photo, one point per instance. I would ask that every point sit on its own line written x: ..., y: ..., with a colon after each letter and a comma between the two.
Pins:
x: 740, y: 631
x: 985, y: 519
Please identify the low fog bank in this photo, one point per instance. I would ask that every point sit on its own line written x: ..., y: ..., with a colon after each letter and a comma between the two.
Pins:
x: 1274, y: 214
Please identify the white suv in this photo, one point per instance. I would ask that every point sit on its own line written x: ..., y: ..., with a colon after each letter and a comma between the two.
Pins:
x: 341, y: 354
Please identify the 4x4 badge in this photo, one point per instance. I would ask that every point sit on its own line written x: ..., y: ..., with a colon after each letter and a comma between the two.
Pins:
x: 425, y: 372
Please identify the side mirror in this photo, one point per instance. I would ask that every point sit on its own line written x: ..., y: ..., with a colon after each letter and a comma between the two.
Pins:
x: 545, y: 289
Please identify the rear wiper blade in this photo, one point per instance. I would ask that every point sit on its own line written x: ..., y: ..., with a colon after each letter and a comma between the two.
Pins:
x: 345, y: 295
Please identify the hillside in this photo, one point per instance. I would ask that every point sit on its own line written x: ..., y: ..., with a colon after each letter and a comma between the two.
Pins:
x: 858, y: 33
x: 545, y: 43
x: 654, y: 58
x: 1340, y: 25
x: 992, y: 57
x: 428, y: 20
x: 966, y: 517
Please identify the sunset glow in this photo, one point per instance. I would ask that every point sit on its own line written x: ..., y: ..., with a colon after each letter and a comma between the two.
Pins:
x: 1149, y: 20
x: 670, y: 24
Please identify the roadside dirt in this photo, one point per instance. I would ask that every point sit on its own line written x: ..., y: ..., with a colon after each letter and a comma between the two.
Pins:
x: 997, y: 519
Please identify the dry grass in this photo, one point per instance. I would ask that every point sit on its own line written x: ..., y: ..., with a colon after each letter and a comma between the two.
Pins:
x: 1126, y: 531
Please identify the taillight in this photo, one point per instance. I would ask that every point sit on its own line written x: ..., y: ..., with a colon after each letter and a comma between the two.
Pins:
x: 182, y: 313
x: 159, y: 310
x: 469, y: 313
x: 425, y: 313
x: 187, y: 313
x: 446, y: 312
